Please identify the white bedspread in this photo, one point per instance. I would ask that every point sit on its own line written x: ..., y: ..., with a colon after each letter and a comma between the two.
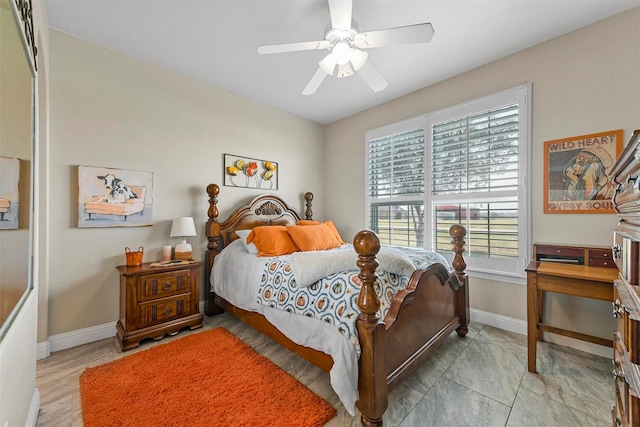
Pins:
x: 235, y: 265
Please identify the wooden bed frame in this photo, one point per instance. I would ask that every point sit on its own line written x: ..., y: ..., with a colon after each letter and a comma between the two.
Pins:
x: 433, y: 305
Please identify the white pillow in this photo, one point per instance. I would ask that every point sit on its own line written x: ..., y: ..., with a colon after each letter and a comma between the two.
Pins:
x: 251, y: 248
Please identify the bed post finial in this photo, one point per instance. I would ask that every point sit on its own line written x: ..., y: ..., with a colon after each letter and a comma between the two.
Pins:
x: 372, y: 381
x: 367, y: 245
x: 457, y: 233
x: 213, y: 190
x: 212, y: 232
x: 308, y: 213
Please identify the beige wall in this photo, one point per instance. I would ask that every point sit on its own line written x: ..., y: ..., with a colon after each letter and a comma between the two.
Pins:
x: 110, y: 110
x: 584, y: 82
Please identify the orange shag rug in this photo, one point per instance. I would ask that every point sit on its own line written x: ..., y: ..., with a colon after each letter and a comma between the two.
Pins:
x: 209, y: 378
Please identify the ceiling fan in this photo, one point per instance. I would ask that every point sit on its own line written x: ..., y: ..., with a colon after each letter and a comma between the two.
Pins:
x: 345, y: 45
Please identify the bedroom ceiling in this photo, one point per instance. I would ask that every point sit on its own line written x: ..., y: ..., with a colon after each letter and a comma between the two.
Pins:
x: 216, y: 40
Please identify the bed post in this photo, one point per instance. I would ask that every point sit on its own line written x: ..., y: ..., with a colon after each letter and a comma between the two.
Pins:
x: 308, y: 198
x: 457, y: 233
x: 212, y: 231
x: 372, y: 379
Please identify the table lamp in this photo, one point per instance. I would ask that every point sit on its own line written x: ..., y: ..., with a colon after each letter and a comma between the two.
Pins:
x: 183, y: 227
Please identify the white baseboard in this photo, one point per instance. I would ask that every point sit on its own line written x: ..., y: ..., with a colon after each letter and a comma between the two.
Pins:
x: 520, y: 327
x: 34, y: 408
x: 75, y: 338
x: 499, y: 321
x: 107, y: 330
x: 79, y: 337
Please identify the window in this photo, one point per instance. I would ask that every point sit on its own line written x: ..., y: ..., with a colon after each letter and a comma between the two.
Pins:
x: 463, y: 165
x: 396, y: 185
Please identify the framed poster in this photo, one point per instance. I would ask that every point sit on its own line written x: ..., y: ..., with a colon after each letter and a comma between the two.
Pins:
x: 577, y: 173
x: 240, y: 171
x: 110, y: 197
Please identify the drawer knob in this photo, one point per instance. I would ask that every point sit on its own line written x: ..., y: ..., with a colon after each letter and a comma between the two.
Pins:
x: 616, y: 250
x: 166, y: 286
x: 618, y: 375
x: 618, y: 308
x: 167, y: 310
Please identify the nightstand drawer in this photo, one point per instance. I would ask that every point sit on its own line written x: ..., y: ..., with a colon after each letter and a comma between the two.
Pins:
x: 160, y: 285
x: 159, y: 311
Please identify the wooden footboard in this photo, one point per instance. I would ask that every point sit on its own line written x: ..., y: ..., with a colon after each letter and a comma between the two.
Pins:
x: 433, y: 305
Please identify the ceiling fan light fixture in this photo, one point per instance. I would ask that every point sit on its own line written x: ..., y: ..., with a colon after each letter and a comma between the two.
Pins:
x: 341, y: 52
x: 358, y: 58
x: 344, y: 70
x: 328, y: 64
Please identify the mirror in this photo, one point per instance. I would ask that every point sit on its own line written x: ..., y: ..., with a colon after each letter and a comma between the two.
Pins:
x: 17, y: 84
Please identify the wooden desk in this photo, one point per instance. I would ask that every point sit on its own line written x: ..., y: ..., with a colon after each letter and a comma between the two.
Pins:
x: 569, y: 279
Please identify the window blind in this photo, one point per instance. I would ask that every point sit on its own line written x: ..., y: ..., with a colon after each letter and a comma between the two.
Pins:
x: 396, y: 165
x: 476, y: 153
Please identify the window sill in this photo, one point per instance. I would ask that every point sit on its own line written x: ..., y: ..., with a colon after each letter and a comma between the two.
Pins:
x: 498, y: 276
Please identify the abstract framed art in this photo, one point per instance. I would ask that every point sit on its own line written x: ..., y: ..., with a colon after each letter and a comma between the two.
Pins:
x: 240, y: 171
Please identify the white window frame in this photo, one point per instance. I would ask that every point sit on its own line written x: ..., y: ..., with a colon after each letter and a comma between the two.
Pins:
x: 493, y: 269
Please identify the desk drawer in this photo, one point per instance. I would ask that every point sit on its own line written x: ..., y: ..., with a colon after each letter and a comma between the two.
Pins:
x: 598, y: 262
x: 560, y: 253
x: 601, y: 258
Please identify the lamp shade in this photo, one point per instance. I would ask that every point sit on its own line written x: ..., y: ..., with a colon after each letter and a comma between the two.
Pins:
x: 183, y: 226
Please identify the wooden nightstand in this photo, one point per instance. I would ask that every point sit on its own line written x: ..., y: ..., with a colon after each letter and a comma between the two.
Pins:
x: 155, y: 301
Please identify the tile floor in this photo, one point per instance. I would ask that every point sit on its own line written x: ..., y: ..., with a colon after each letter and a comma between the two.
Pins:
x: 479, y: 380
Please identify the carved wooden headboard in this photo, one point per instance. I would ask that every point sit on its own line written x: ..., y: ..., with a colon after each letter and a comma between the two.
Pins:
x: 266, y: 209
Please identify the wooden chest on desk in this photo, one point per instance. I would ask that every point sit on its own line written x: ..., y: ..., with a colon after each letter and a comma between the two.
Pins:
x: 626, y: 292
x: 155, y: 301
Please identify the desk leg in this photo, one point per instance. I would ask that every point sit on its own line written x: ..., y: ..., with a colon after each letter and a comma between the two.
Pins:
x: 540, y: 305
x: 532, y: 320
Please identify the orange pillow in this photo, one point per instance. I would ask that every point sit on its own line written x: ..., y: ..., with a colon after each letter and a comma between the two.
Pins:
x: 329, y: 224
x: 313, y: 237
x: 334, y: 230
x: 272, y: 240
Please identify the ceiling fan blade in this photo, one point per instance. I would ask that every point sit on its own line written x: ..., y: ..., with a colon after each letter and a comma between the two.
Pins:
x: 315, y: 82
x: 340, y: 11
x: 410, y: 34
x: 292, y: 47
x: 373, y: 77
